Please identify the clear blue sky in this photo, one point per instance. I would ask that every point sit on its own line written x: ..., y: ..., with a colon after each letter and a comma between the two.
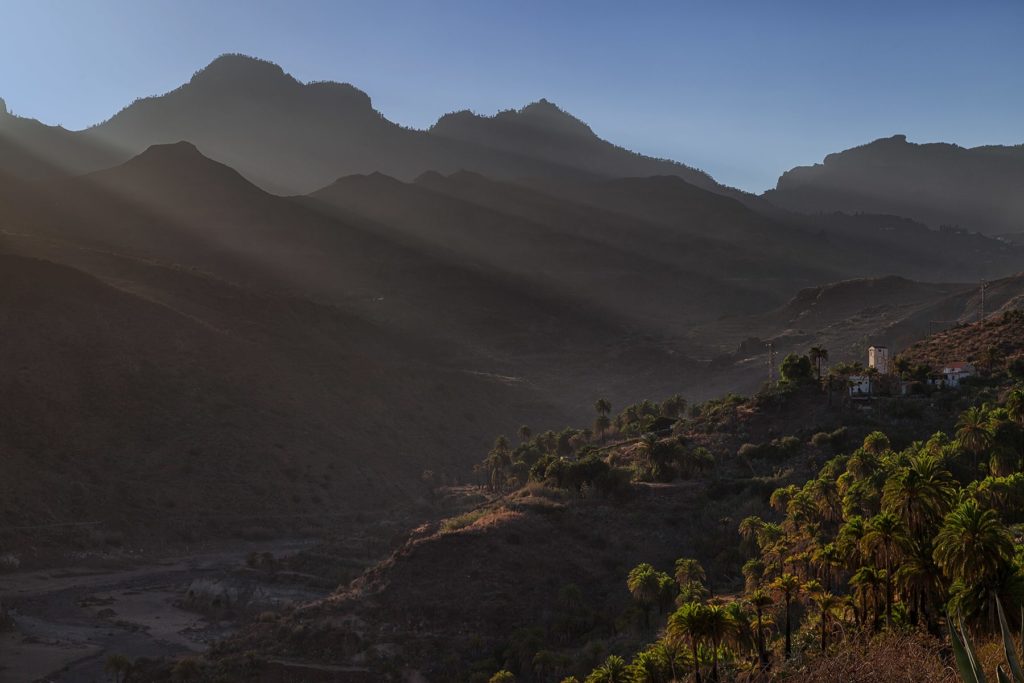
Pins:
x: 743, y: 90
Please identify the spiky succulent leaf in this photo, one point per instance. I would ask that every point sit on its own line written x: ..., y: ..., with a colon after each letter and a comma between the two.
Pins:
x: 1009, y: 648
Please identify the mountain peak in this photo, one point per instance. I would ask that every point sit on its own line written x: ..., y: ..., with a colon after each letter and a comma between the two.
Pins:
x: 238, y: 68
x: 166, y: 173
x: 173, y: 150
x: 893, y: 141
x: 181, y: 160
x: 543, y: 106
x: 541, y: 116
x: 546, y: 114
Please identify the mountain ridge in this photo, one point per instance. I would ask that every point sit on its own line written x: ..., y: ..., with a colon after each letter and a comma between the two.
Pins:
x: 939, y: 184
x: 293, y: 137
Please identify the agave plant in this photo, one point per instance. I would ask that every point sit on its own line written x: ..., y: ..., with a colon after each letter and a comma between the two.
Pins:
x: 967, y: 660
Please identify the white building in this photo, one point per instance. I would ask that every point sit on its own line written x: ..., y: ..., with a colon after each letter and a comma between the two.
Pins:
x: 878, y: 359
x: 860, y: 386
x: 954, y: 372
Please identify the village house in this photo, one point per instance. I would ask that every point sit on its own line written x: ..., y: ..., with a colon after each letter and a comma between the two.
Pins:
x: 953, y: 373
x: 860, y: 386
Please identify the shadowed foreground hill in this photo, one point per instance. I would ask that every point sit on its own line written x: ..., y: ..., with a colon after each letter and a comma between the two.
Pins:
x: 216, y: 411
x: 938, y: 184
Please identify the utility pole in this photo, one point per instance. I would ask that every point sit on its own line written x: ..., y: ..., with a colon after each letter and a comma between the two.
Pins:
x: 771, y: 362
x: 984, y: 286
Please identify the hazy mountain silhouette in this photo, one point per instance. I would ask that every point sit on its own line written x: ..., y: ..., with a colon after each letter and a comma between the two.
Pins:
x: 787, y: 249
x: 30, y: 149
x: 175, y: 206
x: 292, y: 137
x: 938, y: 184
x: 544, y: 131
x: 603, y: 272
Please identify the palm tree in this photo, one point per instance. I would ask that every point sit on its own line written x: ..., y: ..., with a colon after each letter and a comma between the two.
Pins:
x: 612, y: 670
x: 687, y: 625
x: 826, y: 603
x: 876, y: 443
x: 759, y: 600
x: 496, y: 463
x: 671, y: 652
x: 667, y: 592
x: 973, y: 545
x: 972, y: 432
x: 1015, y: 411
x: 779, y: 500
x: 689, y: 569
x: 1006, y: 447
x: 602, y: 406
x: 849, y: 539
x: 1015, y: 404
x: 827, y: 558
x: 753, y: 573
x: 741, y: 638
x: 818, y: 354
x: 645, y: 587
x: 692, y: 591
x: 648, y: 445
x: 650, y: 665
x: 825, y: 495
x: 601, y: 425
x: 749, y: 528
x: 788, y: 587
x: 919, y: 493
x: 801, y: 510
x: 525, y: 433
x: 718, y: 626
x: 866, y: 583
x: 883, y: 541
x: 771, y: 538
x: 920, y: 581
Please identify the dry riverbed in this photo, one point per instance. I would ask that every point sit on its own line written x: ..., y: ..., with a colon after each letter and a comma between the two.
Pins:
x: 68, y: 621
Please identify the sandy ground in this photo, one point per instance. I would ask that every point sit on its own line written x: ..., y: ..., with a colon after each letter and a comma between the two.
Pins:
x: 69, y: 620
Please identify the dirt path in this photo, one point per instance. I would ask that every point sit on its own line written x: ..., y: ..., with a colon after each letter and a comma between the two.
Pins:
x: 69, y: 620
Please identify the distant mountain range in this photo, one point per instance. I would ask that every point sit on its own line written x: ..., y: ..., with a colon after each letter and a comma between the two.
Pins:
x: 290, y: 137
x: 937, y: 184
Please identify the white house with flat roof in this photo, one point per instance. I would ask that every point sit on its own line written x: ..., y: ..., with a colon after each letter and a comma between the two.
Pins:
x: 860, y: 386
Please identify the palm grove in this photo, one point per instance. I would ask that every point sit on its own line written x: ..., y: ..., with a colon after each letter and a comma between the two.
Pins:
x: 880, y: 540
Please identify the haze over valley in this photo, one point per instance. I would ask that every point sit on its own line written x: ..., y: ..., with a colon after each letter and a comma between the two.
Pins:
x: 257, y: 343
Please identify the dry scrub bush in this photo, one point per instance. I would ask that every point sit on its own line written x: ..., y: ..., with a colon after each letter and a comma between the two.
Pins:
x: 887, y: 658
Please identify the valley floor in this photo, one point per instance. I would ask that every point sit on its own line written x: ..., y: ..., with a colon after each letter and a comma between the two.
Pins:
x: 68, y: 621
